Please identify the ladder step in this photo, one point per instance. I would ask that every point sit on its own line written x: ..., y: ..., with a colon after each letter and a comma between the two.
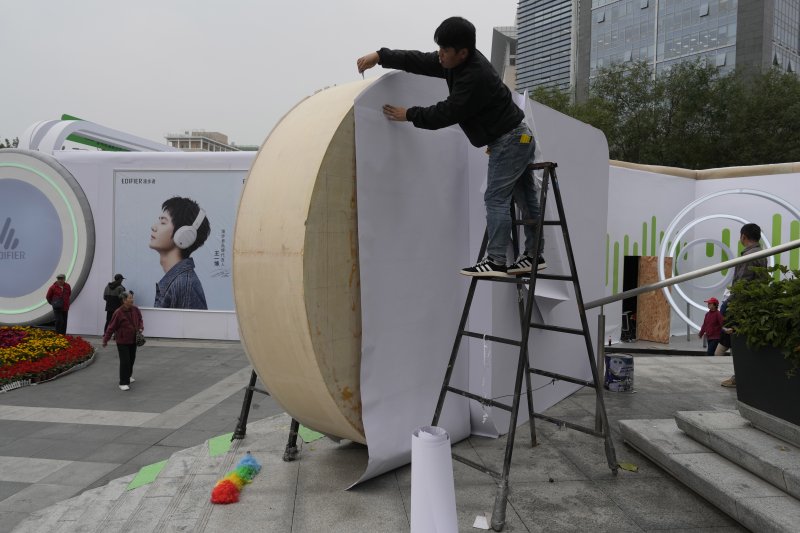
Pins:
x: 543, y: 165
x: 492, y: 338
x: 577, y: 427
x: 560, y: 329
x: 533, y: 222
x: 561, y: 277
x: 517, y: 280
x: 479, y: 399
x: 562, y: 377
x: 477, y: 466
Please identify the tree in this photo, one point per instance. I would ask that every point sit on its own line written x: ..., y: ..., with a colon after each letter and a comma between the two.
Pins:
x: 9, y: 144
x: 691, y: 116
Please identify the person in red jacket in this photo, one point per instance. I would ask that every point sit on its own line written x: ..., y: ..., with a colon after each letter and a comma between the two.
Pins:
x: 712, y: 325
x: 58, y: 296
x: 125, y: 323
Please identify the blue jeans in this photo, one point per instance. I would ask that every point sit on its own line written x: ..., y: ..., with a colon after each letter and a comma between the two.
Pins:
x: 509, y: 175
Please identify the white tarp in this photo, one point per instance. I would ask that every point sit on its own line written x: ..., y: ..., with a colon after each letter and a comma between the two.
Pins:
x: 421, y: 218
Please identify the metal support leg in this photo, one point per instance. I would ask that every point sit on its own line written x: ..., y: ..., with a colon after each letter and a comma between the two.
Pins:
x: 290, y: 453
x: 601, y: 363
x: 241, y: 426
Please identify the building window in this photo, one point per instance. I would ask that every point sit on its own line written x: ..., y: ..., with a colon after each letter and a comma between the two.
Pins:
x: 721, y: 59
x: 704, y: 9
x: 628, y: 55
x: 643, y: 4
x: 601, y: 16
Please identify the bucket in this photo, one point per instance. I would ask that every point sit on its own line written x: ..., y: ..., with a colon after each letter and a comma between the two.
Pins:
x: 619, y: 373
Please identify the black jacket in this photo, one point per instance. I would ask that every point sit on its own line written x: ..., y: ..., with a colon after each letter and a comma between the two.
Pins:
x: 111, y: 295
x: 479, y: 101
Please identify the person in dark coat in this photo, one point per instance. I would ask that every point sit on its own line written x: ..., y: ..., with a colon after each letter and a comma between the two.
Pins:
x: 58, y: 296
x: 483, y: 107
x: 125, y: 323
x: 111, y: 295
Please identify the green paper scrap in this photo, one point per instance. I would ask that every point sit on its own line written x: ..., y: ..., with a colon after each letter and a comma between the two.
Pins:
x: 630, y: 467
x: 219, y: 445
x: 147, y: 474
x: 308, y: 435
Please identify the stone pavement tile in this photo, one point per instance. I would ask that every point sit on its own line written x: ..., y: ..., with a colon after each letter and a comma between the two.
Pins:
x: 17, y: 429
x: 80, y: 432
x: 25, y: 447
x: 37, y: 496
x: 123, y: 470
x: 539, y: 463
x: 148, y: 514
x: 568, y: 506
x: 322, y: 504
x: 153, y: 454
x: 115, y: 452
x: 730, y: 529
x: 79, y: 474
x: 10, y: 519
x: 663, y: 504
x: 7, y: 488
x: 193, y: 498
x: 28, y: 470
x: 186, y: 438
x: 142, y: 435
x: 472, y: 500
x: 69, y: 450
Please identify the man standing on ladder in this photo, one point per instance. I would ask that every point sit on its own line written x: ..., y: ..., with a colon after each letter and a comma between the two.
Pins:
x: 482, y: 106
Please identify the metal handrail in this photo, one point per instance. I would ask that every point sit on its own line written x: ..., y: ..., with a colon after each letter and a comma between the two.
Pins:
x: 700, y: 272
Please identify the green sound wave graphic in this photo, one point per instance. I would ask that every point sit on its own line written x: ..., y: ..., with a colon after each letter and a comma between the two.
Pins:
x: 653, y: 237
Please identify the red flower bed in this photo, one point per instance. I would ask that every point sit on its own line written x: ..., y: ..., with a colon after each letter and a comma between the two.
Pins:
x: 41, y: 365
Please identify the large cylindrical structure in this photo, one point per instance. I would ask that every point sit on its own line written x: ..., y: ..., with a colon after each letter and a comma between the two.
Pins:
x: 295, y: 268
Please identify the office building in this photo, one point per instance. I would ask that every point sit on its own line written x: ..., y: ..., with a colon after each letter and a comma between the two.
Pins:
x: 748, y: 34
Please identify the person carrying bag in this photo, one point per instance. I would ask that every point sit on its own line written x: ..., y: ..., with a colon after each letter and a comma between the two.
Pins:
x: 126, y: 325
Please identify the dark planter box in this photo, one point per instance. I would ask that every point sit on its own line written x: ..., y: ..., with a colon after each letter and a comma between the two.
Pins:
x: 761, y: 381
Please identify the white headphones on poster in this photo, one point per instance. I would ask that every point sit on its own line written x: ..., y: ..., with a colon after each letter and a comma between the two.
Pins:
x: 185, y: 236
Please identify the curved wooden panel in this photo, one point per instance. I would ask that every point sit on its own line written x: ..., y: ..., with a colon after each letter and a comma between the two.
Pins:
x: 295, y: 266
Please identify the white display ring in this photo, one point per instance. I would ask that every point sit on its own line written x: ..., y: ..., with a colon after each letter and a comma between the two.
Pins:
x: 32, y: 251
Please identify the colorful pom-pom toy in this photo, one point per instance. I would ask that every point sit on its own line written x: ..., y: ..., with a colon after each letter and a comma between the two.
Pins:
x: 227, y: 489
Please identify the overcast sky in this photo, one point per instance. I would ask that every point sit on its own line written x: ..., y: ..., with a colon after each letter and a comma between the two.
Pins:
x: 153, y: 67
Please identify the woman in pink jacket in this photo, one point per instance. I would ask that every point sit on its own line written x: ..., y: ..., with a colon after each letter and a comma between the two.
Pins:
x: 125, y: 323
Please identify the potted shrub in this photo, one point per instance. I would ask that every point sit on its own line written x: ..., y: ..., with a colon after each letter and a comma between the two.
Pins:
x: 765, y: 316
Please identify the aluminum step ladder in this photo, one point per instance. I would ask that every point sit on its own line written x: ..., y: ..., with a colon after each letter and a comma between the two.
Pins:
x: 526, y: 288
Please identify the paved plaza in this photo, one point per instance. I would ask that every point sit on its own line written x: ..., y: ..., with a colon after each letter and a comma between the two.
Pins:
x: 62, y: 443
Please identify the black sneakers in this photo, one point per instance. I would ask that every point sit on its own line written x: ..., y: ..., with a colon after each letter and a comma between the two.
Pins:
x: 486, y: 269
x: 523, y: 265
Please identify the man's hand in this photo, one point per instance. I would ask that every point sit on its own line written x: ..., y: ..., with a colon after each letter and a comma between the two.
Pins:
x: 367, y: 62
x: 395, y: 113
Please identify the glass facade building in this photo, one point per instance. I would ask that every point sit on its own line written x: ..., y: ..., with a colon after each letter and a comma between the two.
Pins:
x: 545, y: 43
x: 786, y: 35
x: 724, y: 33
x: 663, y: 32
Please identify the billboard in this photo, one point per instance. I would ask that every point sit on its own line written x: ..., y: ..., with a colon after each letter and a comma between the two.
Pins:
x: 173, y: 233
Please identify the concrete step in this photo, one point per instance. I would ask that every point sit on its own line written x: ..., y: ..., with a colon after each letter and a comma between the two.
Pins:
x: 745, y: 497
x: 733, y: 437
x: 771, y: 424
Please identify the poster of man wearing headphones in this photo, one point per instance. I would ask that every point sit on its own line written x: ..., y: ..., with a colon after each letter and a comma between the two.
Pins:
x: 173, y: 231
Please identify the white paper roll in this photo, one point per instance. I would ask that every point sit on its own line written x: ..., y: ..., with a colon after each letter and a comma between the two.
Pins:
x: 433, y: 497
